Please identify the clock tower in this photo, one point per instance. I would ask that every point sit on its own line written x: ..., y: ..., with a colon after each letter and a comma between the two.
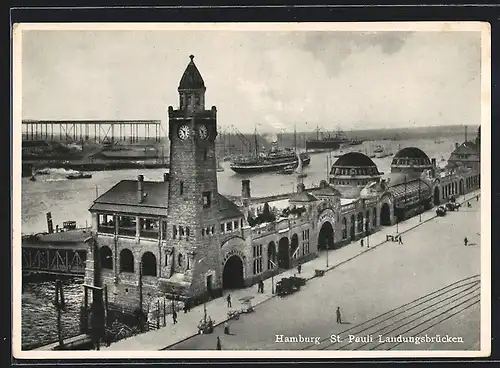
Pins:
x: 192, y: 245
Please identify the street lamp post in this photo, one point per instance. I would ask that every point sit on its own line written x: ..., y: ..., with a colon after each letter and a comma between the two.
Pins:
x: 272, y: 275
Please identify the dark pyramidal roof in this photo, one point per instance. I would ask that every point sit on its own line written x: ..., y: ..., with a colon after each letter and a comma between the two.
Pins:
x: 354, y: 159
x: 191, y: 79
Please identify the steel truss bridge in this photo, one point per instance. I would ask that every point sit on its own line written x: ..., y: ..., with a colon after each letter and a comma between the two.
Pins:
x: 132, y: 131
x: 68, y: 261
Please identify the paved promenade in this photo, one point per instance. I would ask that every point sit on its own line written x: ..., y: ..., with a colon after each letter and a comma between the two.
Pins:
x: 217, y: 308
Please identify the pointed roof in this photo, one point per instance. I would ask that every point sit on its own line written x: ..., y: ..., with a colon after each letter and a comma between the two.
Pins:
x: 191, y: 79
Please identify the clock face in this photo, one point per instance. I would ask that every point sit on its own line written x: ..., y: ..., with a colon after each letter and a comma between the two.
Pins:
x: 183, y: 132
x: 203, y: 131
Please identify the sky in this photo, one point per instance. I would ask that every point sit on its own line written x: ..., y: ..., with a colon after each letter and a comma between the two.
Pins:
x: 268, y: 79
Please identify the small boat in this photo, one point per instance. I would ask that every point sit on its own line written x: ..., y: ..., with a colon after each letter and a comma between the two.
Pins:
x: 79, y: 176
x: 33, y: 178
x: 43, y: 172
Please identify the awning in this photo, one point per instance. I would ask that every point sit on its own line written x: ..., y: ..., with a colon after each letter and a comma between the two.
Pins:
x: 410, y: 188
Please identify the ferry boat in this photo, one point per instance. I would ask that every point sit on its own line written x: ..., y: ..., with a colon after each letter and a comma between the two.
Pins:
x: 276, y: 159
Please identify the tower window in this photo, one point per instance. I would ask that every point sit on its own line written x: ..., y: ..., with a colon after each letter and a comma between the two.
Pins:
x: 181, y: 188
x: 206, y: 199
x: 197, y: 99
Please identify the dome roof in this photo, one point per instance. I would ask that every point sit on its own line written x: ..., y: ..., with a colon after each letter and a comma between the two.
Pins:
x: 191, y: 79
x: 303, y: 197
x: 355, y: 159
x: 411, y: 152
x: 327, y: 191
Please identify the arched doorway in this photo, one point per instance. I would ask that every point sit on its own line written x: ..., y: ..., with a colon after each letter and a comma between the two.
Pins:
x: 353, y: 227
x: 126, y: 261
x: 436, y: 196
x: 461, y: 189
x: 284, y: 253
x: 385, y: 215
x: 106, y: 258
x: 295, y: 244
x: 148, y: 264
x: 271, y: 255
x: 325, y: 237
x: 232, y: 275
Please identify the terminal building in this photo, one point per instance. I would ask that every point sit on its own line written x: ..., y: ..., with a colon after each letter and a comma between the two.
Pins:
x: 181, y: 239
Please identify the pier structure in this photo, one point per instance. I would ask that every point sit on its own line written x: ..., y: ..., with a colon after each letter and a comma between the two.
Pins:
x: 58, y: 253
x: 181, y: 239
x: 131, y: 131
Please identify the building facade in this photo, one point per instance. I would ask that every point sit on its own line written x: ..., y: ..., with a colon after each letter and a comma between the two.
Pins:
x: 181, y: 239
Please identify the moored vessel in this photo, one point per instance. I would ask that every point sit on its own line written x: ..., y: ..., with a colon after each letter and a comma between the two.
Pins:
x: 79, y: 175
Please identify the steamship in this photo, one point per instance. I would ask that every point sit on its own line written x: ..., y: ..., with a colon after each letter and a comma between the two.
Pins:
x: 330, y: 143
x: 274, y: 160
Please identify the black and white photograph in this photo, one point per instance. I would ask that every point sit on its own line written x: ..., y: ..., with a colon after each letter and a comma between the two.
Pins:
x: 251, y: 190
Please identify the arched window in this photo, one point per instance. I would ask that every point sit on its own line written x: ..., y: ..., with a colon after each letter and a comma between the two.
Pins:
x: 106, y: 257
x: 126, y: 261
x: 148, y: 264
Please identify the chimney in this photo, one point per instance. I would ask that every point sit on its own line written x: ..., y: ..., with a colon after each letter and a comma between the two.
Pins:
x: 245, y: 191
x: 166, y: 177
x: 323, y: 184
x: 433, y: 169
x: 301, y: 187
x: 433, y: 161
x: 456, y: 145
x: 140, y: 188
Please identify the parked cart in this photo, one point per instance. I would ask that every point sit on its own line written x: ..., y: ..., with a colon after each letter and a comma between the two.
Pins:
x: 247, y: 304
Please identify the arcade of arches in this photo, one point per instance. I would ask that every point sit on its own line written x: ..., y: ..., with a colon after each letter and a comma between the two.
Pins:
x: 232, y: 275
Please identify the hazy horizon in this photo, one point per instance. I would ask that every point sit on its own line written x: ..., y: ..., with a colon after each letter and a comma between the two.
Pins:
x: 272, y: 80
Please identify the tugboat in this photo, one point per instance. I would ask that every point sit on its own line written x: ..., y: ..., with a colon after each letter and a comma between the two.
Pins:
x: 78, y: 175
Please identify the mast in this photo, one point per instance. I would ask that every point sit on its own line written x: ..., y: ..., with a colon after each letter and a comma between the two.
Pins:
x: 466, y: 133
x: 256, y: 143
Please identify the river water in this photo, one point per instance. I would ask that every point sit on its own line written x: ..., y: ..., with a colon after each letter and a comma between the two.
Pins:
x: 70, y: 199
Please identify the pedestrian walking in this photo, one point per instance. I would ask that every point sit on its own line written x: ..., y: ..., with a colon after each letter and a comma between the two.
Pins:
x: 339, y: 317
x: 219, y: 346
x: 226, y: 328
x: 185, y: 306
x: 228, y: 300
x: 174, y: 316
x: 299, y: 269
x: 466, y: 241
x: 362, y: 242
x: 262, y: 286
x: 400, y: 240
x: 477, y: 198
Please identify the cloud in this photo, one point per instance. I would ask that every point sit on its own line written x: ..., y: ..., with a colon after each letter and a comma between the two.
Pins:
x: 276, y: 79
